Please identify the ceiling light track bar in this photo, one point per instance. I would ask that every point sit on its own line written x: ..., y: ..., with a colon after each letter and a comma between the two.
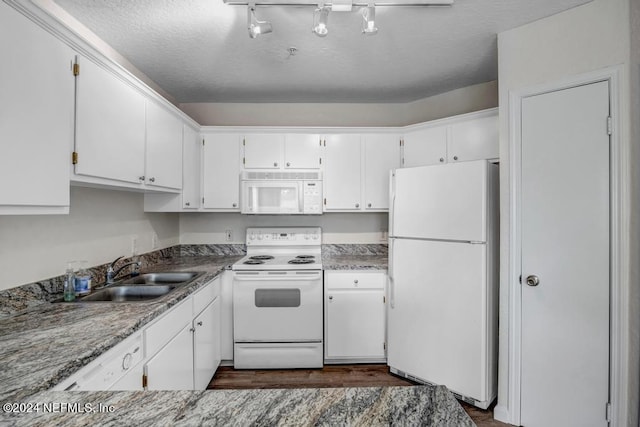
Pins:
x: 416, y: 3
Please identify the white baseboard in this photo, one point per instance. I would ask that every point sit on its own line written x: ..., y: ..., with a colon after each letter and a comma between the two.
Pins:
x: 501, y: 413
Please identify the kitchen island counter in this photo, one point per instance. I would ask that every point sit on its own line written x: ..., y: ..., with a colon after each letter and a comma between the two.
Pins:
x: 362, y: 406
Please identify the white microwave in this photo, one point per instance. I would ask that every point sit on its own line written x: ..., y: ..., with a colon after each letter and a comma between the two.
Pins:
x: 291, y: 193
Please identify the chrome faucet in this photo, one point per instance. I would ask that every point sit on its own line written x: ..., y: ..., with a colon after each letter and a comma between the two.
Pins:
x: 112, y: 274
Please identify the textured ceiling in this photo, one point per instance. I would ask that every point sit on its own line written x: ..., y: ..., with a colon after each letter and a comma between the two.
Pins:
x: 200, y: 51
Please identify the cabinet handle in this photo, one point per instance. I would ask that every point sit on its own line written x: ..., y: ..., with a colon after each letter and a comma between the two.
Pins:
x: 441, y: 159
x: 368, y: 205
x: 288, y: 164
x: 152, y: 179
x: 355, y: 282
x: 187, y: 204
x: 235, y: 205
x: 330, y: 297
x: 141, y: 178
x: 192, y: 329
x: 455, y: 157
x: 275, y: 164
x: 200, y: 323
x: 357, y: 205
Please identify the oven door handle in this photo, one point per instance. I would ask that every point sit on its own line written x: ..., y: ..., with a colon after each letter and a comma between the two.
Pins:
x: 277, y: 278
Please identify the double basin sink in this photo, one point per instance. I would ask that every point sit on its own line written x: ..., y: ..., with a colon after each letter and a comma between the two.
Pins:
x: 142, y: 288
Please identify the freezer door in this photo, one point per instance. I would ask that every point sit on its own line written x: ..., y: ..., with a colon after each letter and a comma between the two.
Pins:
x: 437, y: 318
x: 442, y: 202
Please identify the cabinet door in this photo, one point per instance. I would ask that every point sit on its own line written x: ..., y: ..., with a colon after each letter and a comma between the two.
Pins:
x: 341, y: 179
x: 381, y: 154
x: 191, y: 161
x: 302, y: 151
x: 206, y: 345
x: 263, y: 151
x: 425, y: 147
x: 172, y: 367
x: 226, y: 314
x: 110, y: 125
x: 221, y: 172
x: 354, y: 324
x: 36, y: 117
x: 164, y: 148
x: 474, y: 139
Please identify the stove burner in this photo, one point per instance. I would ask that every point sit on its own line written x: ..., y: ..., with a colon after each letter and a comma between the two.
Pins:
x: 301, y: 261
x: 305, y: 257
x: 261, y: 257
x: 253, y: 262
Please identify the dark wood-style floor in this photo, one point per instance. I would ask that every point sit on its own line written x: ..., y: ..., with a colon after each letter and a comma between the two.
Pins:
x: 329, y: 376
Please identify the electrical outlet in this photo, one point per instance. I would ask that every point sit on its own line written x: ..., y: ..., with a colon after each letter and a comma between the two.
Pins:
x: 134, y: 245
x: 228, y: 235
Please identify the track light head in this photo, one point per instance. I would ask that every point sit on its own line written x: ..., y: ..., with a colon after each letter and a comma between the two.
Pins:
x: 320, y: 21
x: 254, y: 26
x: 369, y: 20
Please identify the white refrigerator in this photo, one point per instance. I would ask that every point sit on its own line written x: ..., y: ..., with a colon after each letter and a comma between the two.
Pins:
x: 443, y: 277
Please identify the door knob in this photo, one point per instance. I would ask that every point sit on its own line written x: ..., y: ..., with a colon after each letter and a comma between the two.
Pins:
x: 533, y: 280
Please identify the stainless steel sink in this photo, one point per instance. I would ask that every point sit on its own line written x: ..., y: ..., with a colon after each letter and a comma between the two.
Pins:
x: 142, y: 288
x: 159, y: 278
x: 129, y: 293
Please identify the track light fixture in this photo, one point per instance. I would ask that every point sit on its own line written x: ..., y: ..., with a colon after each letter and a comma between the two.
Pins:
x: 369, y: 20
x: 320, y: 21
x: 254, y: 26
x: 321, y: 12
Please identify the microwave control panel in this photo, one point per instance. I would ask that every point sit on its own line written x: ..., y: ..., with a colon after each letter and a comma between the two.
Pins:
x: 312, y: 197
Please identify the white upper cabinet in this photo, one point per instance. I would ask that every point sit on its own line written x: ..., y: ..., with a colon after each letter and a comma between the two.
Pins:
x: 221, y: 171
x: 341, y: 178
x: 302, y: 151
x: 164, y: 147
x: 427, y: 146
x: 110, y: 126
x: 381, y: 154
x: 191, y: 167
x: 36, y: 118
x: 474, y: 139
x: 263, y: 151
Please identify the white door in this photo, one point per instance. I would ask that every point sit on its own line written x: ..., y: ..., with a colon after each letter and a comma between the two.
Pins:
x: 438, y: 321
x: 381, y: 154
x: 206, y: 345
x: 302, y: 151
x: 565, y: 246
x: 263, y: 151
x: 172, y: 367
x: 425, y: 147
x: 447, y: 202
x: 192, y: 149
x: 164, y: 147
x: 341, y: 180
x: 473, y: 139
x: 221, y: 172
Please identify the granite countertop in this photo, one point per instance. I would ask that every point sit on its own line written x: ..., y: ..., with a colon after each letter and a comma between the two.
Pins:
x: 42, y: 346
x: 362, y: 406
x: 354, y: 262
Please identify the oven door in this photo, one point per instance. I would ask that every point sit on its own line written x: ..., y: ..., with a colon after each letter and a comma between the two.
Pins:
x: 277, y: 306
x: 272, y: 197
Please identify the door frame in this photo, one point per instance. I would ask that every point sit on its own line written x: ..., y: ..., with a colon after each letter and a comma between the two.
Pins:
x: 619, y: 244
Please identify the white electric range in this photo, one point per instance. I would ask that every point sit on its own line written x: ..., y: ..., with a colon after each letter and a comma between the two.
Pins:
x: 277, y: 299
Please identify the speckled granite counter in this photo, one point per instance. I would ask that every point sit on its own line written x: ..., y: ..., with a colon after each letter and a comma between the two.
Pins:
x: 354, y: 257
x: 370, y: 406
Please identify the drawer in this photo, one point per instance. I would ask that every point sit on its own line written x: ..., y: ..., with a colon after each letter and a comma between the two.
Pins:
x: 355, y: 280
x: 164, y: 329
x: 205, y: 295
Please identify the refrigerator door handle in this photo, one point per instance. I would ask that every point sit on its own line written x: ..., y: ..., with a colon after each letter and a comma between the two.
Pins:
x: 392, y: 285
x: 392, y: 198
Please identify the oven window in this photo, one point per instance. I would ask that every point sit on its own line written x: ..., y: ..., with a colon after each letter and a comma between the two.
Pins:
x: 277, y: 297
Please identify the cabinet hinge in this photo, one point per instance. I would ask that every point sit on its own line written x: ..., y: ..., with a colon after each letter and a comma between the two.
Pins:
x: 608, y: 412
x: 320, y: 160
x: 76, y: 69
x: 401, y: 143
x: 402, y: 161
x: 384, y: 299
x: 325, y: 142
x: 243, y: 160
x: 244, y: 141
x: 384, y: 345
x: 609, y: 126
x: 203, y: 200
x: 325, y: 201
x: 320, y: 142
x: 74, y: 158
x: 202, y: 141
x: 144, y: 380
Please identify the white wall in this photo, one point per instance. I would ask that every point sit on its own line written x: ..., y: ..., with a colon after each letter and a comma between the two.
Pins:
x: 583, y: 39
x: 198, y: 228
x: 460, y: 101
x: 98, y: 229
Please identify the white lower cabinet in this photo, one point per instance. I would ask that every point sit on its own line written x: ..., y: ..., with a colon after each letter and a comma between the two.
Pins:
x: 172, y: 367
x: 206, y: 344
x: 354, y: 317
